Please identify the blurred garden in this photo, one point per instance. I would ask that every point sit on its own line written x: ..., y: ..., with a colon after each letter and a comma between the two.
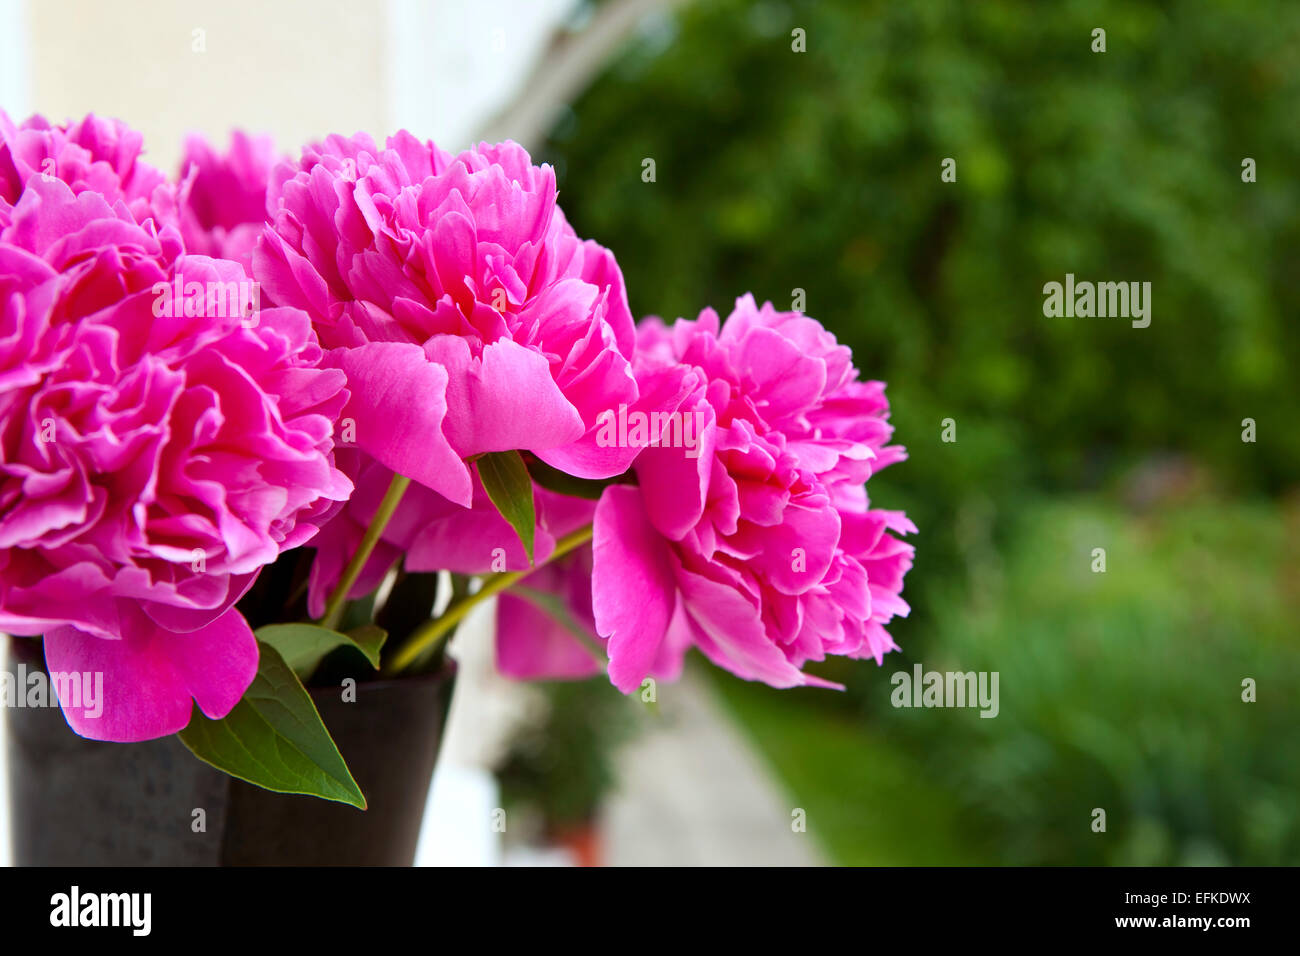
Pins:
x: 778, y: 171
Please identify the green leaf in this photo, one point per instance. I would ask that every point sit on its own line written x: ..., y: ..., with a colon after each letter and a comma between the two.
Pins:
x: 369, y: 640
x: 552, y: 479
x: 274, y: 738
x: 357, y: 613
x: 304, y: 645
x: 506, y: 481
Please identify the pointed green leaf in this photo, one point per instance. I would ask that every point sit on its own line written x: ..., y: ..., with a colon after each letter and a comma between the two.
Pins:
x: 506, y: 481
x: 274, y: 738
x: 304, y: 645
x: 552, y: 479
x: 369, y: 639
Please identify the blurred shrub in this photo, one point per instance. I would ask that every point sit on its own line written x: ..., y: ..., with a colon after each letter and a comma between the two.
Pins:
x: 1123, y: 690
x: 1120, y: 690
x: 778, y: 170
x: 559, y: 767
x: 820, y: 171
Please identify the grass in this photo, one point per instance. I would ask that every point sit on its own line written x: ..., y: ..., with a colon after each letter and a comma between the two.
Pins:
x: 1120, y: 691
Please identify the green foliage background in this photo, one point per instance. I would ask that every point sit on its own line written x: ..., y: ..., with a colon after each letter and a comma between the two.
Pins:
x: 778, y: 170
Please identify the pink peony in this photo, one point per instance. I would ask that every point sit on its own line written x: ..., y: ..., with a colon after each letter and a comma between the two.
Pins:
x: 430, y: 532
x: 223, y: 196
x: 152, y: 460
x: 466, y: 313
x: 758, y: 545
x: 95, y: 155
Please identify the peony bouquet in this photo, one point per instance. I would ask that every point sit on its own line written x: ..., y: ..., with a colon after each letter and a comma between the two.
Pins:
x: 273, y: 412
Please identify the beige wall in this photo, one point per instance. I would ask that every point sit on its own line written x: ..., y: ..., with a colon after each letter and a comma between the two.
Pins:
x: 308, y: 68
x: 297, y: 69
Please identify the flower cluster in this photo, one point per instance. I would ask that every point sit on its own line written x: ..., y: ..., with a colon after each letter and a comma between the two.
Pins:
x: 94, y: 155
x: 758, y: 545
x: 367, y: 351
x: 467, y: 313
x: 763, y: 550
x: 222, y: 196
x: 150, y: 464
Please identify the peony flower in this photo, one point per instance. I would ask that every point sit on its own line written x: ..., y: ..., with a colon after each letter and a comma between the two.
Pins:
x: 466, y: 313
x: 159, y: 444
x: 430, y: 532
x: 223, y: 196
x: 754, y: 540
x: 95, y: 155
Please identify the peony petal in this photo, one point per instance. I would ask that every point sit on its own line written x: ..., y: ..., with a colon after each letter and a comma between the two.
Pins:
x: 398, y: 402
x: 730, y: 632
x: 150, y: 675
x: 504, y: 400
x: 632, y: 585
x: 532, y: 643
x: 675, y: 480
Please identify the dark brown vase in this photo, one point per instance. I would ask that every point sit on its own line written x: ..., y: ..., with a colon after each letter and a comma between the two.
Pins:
x: 78, y: 802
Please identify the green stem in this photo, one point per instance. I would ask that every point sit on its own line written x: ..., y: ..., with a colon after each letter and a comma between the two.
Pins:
x: 428, y: 636
x: 338, y: 597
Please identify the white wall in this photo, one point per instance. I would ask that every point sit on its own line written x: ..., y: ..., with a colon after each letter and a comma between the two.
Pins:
x: 298, y: 69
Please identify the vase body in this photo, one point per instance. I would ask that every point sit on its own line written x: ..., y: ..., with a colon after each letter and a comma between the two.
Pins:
x: 78, y: 802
